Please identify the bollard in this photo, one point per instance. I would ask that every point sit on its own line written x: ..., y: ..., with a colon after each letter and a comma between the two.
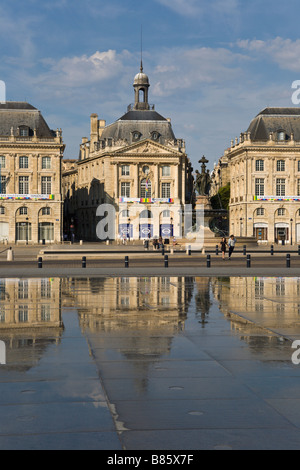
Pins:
x: 166, y: 261
x: 248, y: 261
x: 299, y: 250
x: 272, y: 250
x: 84, y: 262
x: 10, y: 255
x: 208, y: 261
x: 163, y: 250
x: 244, y: 250
x: 40, y: 263
x: 126, y: 261
x: 217, y: 250
x: 288, y: 261
x: 190, y: 250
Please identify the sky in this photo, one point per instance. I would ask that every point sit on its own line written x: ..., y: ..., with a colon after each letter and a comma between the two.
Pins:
x: 213, y: 65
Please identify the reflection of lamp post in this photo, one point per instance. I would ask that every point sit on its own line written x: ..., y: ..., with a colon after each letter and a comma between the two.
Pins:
x: 172, y: 228
x: 291, y: 231
x: 129, y: 220
x: 27, y: 226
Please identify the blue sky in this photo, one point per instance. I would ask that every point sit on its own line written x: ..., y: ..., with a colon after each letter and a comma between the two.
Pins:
x: 213, y: 65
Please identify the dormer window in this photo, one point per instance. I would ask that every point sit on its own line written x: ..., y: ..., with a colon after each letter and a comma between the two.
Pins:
x: 24, y: 131
x: 136, y: 135
x: 281, y: 136
x: 155, y: 135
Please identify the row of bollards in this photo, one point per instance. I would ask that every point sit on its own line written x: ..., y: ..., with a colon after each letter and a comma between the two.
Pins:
x: 166, y: 261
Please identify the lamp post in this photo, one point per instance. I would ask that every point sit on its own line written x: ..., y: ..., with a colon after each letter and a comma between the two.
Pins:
x: 291, y: 231
x: 241, y: 227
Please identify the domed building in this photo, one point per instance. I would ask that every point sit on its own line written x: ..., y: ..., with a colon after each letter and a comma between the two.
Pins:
x: 138, y: 166
x: 265, y: 178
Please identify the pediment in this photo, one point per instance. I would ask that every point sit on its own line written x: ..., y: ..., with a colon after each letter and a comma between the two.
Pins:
x: 147, y: 147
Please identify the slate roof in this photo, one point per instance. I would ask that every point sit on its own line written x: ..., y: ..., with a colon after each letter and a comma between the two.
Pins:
x: 275, y: 120
x: 15, y: 114
x: 144, y: 122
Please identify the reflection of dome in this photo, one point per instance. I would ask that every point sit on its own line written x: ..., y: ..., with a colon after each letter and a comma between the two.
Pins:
x: 141, y: 79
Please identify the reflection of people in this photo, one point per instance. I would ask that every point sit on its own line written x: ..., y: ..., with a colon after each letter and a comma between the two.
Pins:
x: 223, y: 245
x: 231, y: 245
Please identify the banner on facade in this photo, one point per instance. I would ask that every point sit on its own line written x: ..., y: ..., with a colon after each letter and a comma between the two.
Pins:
x: 27, y: 197
x: 127, y: 200
x: 277, y: 198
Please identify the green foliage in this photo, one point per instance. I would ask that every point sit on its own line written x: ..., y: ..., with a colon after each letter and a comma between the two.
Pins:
x: 221, y: 200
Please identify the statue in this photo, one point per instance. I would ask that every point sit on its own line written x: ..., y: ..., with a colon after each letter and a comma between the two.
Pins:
x: 203, y: 180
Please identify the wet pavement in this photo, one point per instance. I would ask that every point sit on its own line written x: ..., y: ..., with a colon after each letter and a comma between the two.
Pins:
x: 152, y: 363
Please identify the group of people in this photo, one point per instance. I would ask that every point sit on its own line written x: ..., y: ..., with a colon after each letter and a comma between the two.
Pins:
x: 231, y: 245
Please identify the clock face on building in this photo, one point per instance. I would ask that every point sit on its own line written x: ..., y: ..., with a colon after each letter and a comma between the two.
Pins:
x: 146, y: 170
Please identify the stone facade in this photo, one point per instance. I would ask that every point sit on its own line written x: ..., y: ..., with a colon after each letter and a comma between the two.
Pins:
x: 136, y: 165
x: 265, y: 178
x: 30, y: 165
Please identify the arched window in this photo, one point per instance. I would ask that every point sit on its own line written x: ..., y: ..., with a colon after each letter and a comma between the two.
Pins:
x: 166, y: 214
x: 146, y: 188
x: 23, y: 211
x: 146, y: 215
x: 124, y: 214
x: 281, y: 212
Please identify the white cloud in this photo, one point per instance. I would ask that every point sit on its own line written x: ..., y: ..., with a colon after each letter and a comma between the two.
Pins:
x: 284, y: 52
x: 192, y: 8
x: 81, y: 71
x: 188, y: 69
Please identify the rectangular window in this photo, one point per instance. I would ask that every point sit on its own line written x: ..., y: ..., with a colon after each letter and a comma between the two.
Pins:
x: 45, y: 289
x: 2, y: 161
x: 23, y: 162
x: 23, y: 313
x: 166, y: 190
x: 166, y: 170
x: 298, y: 165
x: 259, y: 187
x: 3, y: 185
x: 125, y: 189
x: 280, y: 165
x: 23, y: 184
x: 280, y: 187
x: 23, y: 289
x: 46, y: 163
x: 298, y: 187
x: 125, y: 170
x: 45, y: 312
x: 46, y: 185
x: 259, y: 165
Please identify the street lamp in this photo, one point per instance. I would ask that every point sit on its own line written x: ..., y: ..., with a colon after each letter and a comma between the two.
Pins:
x: 241, y: 227
x: 291, y: 231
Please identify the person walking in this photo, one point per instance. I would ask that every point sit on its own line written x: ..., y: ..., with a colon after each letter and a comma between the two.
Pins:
x: 231, y: 245
x: 223, y: 245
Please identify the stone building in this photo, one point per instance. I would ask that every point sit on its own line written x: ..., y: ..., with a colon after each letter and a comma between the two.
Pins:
x: 265, y: 178
x: 137, y: 165
x: 30, y: 166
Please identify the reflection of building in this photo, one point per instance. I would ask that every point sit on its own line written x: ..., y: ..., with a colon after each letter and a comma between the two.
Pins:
x: 271, y: 302
x: 136, y: 161
x: 265, y: 178
x: 138, y: 318
x: 145, y: 303
x: 30, y: 317
x: 30, y: 176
